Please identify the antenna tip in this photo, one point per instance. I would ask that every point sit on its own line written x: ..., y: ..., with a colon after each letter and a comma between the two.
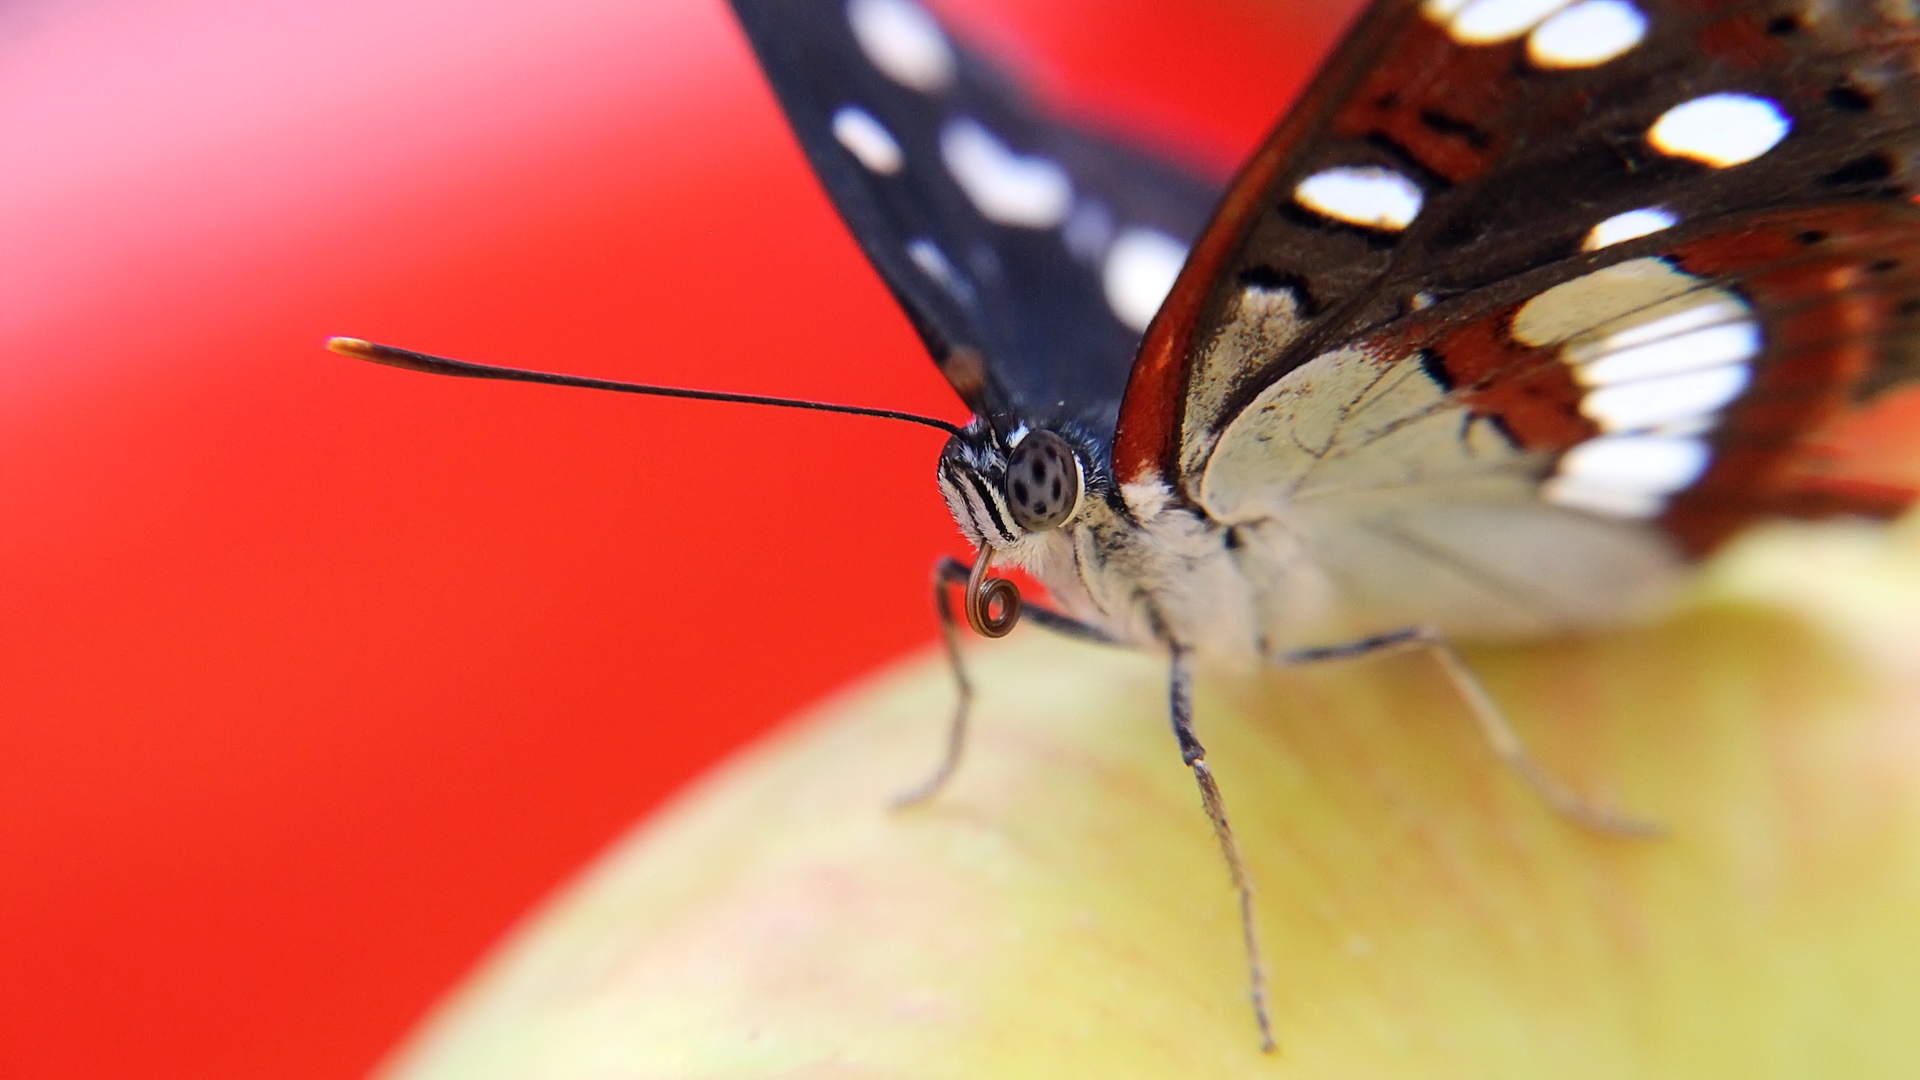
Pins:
x: 354, y: 347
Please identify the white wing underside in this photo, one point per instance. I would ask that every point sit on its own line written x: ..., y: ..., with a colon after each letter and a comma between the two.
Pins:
x: 1356, y: 480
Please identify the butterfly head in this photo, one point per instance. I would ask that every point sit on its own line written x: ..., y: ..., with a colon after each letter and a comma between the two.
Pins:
x: 1006, y: 490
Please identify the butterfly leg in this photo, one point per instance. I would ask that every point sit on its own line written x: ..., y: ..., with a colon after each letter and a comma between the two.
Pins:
x: 1493, y: 725
x: 947, y: 573
x: 1180, y: 693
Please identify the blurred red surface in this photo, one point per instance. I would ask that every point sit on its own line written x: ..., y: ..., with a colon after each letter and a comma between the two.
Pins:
x: 315, y: 675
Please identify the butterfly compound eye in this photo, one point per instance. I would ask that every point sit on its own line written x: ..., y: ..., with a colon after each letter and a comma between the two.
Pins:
x: 1044, y: 483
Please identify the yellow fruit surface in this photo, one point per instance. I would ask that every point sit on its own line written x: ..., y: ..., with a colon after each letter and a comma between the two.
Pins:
x: 1062, y: 911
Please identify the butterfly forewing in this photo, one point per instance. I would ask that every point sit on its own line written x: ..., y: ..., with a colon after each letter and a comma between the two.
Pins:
x: 1619, y: 262
x: 1029, y: 252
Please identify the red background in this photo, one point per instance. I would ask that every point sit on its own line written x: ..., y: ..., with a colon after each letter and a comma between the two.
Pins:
x: 314, y: 675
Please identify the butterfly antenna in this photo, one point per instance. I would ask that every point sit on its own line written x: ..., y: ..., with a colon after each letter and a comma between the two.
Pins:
x: 440, y: 365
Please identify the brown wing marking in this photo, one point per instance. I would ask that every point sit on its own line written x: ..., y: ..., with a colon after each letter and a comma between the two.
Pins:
x: 1830, y: 285
x: 1740, y: 40
x: 1428, y: 119
x: 1525, y: 389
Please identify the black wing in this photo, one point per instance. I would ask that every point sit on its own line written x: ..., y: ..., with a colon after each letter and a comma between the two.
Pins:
x: 1028, y: 252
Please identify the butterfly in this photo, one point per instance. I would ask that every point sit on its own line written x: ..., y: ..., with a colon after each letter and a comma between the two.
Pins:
x: 1524, y: 309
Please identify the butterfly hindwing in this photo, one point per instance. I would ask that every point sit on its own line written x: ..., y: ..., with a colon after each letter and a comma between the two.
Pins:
x: 1617, y: 263
x: 1028, y: 251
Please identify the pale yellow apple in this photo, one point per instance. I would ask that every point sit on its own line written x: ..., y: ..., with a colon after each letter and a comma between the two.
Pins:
x: 1062, y: 911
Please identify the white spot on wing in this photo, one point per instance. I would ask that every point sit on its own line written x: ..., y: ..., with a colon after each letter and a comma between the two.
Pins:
x: 903, y: 41
x: 1683, y: 343
x: 1588, y: 33
x: 1656, y: 463
x: 934, y: 263
x: 1088, y: 230
x: 1670, y: 399
x: 1591, y: 301
x: 1709, y: 308
x: 1720, y: 129
x: 1484, y: 22
x: 1664, y: 352
x: 1631, y: 225
x: 1578, y: 494
x: 1139, y: 273
x: 867, y: 140
x: 1627, y: 475
x: 1366, y: 195
x: 1004, y: 186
